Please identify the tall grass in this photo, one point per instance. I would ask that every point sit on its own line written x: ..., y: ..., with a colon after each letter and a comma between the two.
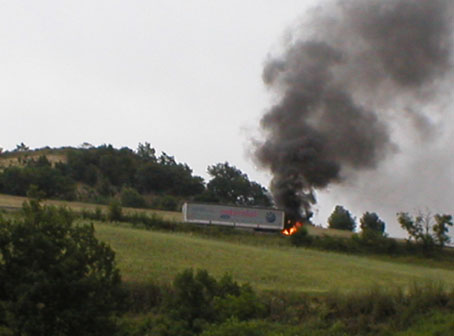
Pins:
x: 366, y: 311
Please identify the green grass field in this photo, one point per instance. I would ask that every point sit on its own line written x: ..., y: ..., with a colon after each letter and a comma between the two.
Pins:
x: 267, y: 262
x: 157, y: 256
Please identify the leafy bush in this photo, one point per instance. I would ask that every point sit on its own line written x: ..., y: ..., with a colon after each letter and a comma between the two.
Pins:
x: 130, y: 197
x: 115, y: 212
x: 366, y: 242
x: 153, y: 221
x: 166, y: 202
x: 373, y: 242
x: 93, y: 215
x: 57, y: 278
x: 143, y: 297
x: 242, y: 306
x: 200, y: 299
x: 301, y: 237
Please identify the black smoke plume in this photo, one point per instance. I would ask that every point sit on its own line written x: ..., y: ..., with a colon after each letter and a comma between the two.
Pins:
x: 346, y: 75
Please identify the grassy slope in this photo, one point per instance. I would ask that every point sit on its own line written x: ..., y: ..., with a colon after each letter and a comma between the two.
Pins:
x: 147, y: 255
x: 265, y: 262
x: 15, y: 202
x: 438, y: 323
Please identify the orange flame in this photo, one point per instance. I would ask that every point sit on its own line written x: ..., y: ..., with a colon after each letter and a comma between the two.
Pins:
x: 292, y: 230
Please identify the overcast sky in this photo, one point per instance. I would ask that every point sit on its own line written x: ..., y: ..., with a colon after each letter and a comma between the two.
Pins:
x: 183, y: 75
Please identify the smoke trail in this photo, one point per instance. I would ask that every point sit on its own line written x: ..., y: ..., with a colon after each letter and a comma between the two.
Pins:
x: 352, y: 70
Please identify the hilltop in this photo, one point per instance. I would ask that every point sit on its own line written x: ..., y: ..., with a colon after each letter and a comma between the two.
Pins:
x: 20, y: 158
x: 140, y: 178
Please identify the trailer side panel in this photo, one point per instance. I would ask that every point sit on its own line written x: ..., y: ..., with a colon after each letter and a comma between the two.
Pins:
x: 260, y: 218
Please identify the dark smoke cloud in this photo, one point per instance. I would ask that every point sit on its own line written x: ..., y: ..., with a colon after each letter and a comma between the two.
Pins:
x: 341, y: 82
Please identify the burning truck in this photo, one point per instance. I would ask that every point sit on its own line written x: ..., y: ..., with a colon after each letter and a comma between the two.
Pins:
x: 356, y: 84
x: 264, y: 219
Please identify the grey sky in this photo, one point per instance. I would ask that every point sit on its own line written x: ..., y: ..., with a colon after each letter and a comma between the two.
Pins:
x: 182, y: 75
x: 185, y: 76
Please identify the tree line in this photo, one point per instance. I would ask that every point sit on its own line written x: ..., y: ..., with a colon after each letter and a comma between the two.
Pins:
x: 140, y: 178
x: 427, y: 234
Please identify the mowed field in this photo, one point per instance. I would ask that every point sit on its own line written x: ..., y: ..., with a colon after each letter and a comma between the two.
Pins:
x: 145, y: 256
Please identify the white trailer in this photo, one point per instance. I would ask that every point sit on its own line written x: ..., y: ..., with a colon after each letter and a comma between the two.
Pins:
x: 234, y: 216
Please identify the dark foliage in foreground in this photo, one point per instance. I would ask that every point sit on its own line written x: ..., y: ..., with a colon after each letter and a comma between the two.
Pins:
x: 56, y: 277
x: 198, y: 304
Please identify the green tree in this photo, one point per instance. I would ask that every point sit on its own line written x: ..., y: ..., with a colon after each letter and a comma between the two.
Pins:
x: 21, y: 148
x: 418, y: 229
x: 146, y: 152
x: 341, y: 219
x: 51, y: 181
x: 56, y: 277
x: 370, y: 222
x: 231, y: 185
x: 426, y: 230
x: 440, y: 229
x: 153, y: 177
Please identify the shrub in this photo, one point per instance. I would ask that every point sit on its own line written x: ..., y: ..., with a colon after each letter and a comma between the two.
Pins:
x: 130, y: 197
x: 166, y: 202
x: 242, y: 306
x: 93, y: 215
x: 153, y: 221
x: 301, y: 237
x: 143, y: 297
x: 115, y: 212
x: 57, y: 278
x: 192, y: 299
x: 199, y: 299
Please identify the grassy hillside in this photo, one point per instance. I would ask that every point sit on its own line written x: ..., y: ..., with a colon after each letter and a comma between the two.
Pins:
x: 15, y: 202
x: 156, y: 256
x: 267, y: 262
x: 301, y: 291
